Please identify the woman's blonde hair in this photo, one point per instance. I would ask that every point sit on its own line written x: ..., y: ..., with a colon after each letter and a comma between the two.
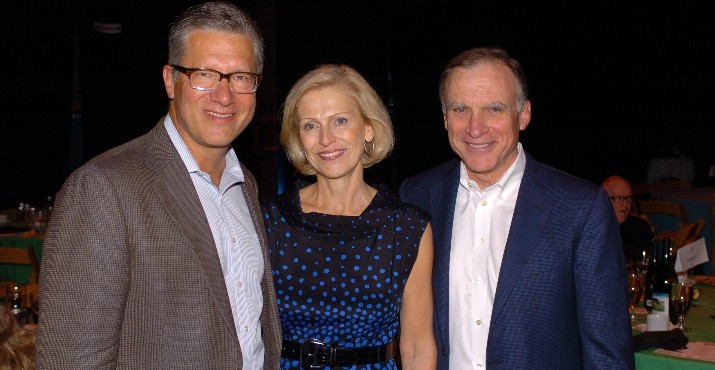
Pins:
x: 17, y: 345
x: 368, y: 101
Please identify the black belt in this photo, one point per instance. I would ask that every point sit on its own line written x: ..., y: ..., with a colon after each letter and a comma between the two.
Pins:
x: 314, y: 354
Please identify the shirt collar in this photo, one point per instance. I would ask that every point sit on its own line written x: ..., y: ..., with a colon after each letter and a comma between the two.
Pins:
x: 512, y: 176
x: 232, y: 173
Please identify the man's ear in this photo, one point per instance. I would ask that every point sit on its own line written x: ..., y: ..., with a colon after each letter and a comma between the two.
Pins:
x: 525, y: 115
x: 169, y: 81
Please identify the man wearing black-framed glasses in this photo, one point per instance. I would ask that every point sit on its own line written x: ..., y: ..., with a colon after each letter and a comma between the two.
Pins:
x: 156, y: 255
x: 636, y: 232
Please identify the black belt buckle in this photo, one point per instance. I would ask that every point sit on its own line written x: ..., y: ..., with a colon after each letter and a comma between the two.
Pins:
x: 313, y: 354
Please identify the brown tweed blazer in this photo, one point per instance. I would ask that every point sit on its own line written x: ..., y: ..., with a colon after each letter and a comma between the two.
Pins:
x: 130, y: 277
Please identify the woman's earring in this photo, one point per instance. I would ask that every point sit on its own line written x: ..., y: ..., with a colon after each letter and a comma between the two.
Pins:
x: 371, y: 149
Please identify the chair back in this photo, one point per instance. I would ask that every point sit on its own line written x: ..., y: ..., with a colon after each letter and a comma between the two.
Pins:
x: 695, y: 234
x: 668, y: 220
x: 21, y: 256
x: 642, y: 192
x: 663, y: 207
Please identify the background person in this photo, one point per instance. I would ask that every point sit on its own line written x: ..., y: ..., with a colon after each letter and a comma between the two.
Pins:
x: 528, y: 264
x: 155, y: 255
x: 636, y: 233
x: 352, y: 264
x: 17, y: 345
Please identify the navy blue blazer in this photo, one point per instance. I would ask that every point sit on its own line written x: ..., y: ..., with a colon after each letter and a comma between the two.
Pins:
x: 561, y: 300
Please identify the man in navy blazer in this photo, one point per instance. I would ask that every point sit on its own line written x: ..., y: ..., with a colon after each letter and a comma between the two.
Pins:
x: 529, y: 271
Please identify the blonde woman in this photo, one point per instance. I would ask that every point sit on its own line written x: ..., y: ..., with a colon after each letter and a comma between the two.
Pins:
x: 352, y: 264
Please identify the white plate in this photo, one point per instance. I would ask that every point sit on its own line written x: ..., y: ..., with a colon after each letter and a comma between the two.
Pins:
x: 642, y: 327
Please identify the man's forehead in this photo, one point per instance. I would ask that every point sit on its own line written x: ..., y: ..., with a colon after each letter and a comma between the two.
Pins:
x: 613, y: 187
x: 482, y: 76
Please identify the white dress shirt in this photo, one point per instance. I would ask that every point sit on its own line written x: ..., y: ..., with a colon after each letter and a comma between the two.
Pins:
x: 237, y: 245
x: 482, y: 219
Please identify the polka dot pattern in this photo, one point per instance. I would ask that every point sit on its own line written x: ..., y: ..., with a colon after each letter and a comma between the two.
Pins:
x: 339, y: 279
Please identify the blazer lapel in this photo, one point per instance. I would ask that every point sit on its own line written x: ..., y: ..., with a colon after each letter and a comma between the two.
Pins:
x: 526, y: 225
x: 176, y: 190
x: 443, y: 197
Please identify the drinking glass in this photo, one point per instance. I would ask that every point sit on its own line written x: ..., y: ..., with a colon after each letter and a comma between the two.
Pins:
x: 681, y: 296
x: 17, y: 303
x: 635, y: 289
x: 642, y: 262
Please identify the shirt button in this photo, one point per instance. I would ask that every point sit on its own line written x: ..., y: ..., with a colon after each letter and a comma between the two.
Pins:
x: 245, y: 329
x: 478, y: 322
x: 233, y: 240
x: 239, y: 285
x: 484, y: 203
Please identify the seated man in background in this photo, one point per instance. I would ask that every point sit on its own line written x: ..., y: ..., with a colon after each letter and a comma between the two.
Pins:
x: 636, y: 233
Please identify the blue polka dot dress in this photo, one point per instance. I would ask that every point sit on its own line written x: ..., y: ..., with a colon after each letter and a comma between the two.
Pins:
x: 340, y: 279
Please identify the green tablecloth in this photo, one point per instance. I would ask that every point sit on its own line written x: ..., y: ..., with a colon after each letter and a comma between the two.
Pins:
x: 19, y: 274
x: 702, y: 330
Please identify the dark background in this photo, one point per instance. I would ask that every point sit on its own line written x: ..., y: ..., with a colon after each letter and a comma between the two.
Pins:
x: 612, y: 84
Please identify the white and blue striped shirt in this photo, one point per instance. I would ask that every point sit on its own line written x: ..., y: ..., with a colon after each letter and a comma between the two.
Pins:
x: 236, y: 242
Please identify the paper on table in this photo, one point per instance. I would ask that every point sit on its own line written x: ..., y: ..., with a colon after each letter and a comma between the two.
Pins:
x: 691, y: 255
x: 703, y: 351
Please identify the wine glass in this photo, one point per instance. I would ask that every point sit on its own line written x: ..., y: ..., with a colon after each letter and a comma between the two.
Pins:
x: 635, y: 289
x: 681, y: 296
x: 642, y: 262
x: 17, y: 303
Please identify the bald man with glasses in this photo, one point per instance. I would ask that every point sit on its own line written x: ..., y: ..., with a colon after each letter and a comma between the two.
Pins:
x: 636, y: 232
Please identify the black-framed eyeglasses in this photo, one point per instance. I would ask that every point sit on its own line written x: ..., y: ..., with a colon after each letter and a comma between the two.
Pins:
x: 205, y: 79
x: 621, y: 198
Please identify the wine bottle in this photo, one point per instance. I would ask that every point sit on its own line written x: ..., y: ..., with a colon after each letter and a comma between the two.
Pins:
x: 672, y: 278
x: 650, y: 276
x: 663, y: 278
